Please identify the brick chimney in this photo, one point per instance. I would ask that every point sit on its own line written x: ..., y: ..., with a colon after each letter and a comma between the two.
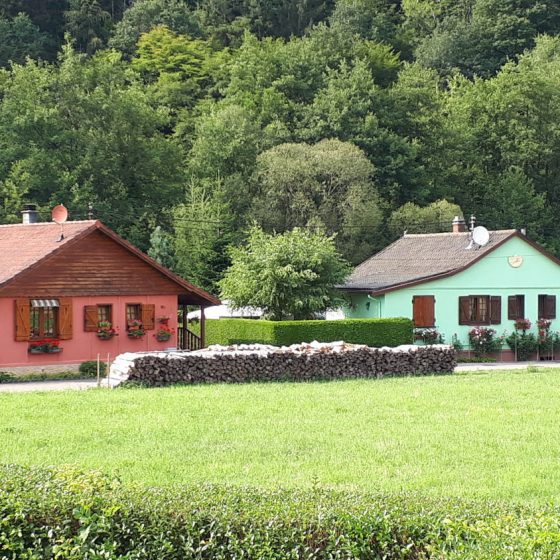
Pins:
x: 29, y: 214
x: 459, y: 225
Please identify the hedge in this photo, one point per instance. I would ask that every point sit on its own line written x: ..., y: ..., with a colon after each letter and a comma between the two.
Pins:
x: 372, y: 332
x: 71, y: 515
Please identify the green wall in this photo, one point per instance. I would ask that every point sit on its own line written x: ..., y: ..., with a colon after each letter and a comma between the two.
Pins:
x: 362, y: 306
x: 490, y: 276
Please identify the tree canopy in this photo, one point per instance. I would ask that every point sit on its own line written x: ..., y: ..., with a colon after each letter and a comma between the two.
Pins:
x: 289, y: 276
x: 184, y: 123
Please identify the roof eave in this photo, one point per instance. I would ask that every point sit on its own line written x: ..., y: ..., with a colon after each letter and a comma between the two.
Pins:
x: 212, y: 300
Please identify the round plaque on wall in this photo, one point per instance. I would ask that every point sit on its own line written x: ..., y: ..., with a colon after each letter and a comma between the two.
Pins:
x: 515, y: 261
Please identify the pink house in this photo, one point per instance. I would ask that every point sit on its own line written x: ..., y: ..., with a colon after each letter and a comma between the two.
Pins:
x: 64, y: 299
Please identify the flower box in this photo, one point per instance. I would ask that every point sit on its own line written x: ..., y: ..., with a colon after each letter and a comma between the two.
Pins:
x: 135, y: 329
x: 135, y: 334
x: 161, y: 337
x: 106, y: 331
x: 41, y: 351
x: 104, y: 336
x: 45, y: 346
x: 164, y: 332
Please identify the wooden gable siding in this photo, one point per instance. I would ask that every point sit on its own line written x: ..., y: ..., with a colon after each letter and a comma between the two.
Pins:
x: 94, y: 265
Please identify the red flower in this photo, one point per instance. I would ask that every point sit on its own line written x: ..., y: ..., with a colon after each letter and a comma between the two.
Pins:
x: 522, y: 324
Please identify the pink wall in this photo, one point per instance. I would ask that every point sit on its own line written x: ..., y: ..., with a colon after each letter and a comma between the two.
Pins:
x: 86, y: 345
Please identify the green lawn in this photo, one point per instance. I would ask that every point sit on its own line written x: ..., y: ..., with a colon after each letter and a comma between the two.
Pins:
x: 495, y: 434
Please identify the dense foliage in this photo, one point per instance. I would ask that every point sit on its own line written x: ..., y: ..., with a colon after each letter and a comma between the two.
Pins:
x: 373, y: 332
x: 361, y: 118
x: 74, y: 515
x: 288, y: 276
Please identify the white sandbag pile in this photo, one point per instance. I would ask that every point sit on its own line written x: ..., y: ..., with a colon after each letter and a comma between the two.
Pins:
x: 299, y: 362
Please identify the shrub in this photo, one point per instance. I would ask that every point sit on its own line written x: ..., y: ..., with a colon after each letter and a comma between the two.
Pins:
x: 483, y: 341
x: 372, y: 332
x: 72, y: 515
x: 89, y: 369
x: 456, y: 343
x: 523, y: 344
x: 6, y: 377
x: 547, y: 340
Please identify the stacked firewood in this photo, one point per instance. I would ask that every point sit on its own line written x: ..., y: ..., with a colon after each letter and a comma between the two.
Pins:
x: 302, y: 362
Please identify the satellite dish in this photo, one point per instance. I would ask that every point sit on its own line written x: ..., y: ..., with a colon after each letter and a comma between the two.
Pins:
x: 59, y: 214
x: 480, y: 236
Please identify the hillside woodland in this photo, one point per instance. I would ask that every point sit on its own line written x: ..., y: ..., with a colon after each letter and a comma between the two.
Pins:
x: 183, y: 124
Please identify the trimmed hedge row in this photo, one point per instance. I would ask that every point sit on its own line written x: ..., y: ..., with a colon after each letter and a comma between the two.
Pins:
x: 371, y: 332
x: 70, y: 515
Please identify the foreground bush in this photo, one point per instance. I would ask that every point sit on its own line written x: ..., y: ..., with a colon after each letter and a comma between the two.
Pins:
x: 89, y: 369
x: 67, y: 514
x: 372, y: 332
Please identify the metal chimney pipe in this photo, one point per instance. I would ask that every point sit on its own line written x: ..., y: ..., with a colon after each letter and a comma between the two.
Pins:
x: 29, y: 214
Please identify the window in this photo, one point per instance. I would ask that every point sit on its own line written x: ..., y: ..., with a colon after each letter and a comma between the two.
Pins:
x: 43, y: 318
x: 423, y: 311
x: 94, y: 314
x: 516, y: 307
x: 133, y: 312
x: 43, y: 322
x: 547, y: 306
x: 480, y: 310
x: 105, y: 313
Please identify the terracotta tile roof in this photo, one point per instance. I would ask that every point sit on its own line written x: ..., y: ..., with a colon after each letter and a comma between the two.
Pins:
x: 420, y: 256
x: 22, y: 245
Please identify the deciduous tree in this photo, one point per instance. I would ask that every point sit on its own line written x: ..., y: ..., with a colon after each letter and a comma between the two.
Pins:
x: 290, y: 275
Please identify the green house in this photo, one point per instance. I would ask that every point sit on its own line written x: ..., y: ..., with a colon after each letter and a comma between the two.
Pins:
x: 448, y: 282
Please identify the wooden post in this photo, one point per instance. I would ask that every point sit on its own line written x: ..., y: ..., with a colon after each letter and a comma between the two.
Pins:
x: 202, y: 327
x: 108, y: 370
x: 183, y: 342
x: 98, y: 372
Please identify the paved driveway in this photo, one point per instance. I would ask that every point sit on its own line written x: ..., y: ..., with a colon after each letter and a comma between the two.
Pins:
x: 63, y: 385
x: 490, y: 366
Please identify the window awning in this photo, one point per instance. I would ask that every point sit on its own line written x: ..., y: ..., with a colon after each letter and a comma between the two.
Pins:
x: 44, y: 303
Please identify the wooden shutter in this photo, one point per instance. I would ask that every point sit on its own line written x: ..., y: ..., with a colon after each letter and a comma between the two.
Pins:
x: 464, y: 310
x: 423, y: 311
x: 65, y: 319
x: 23, y: 319
x: 547, y: 306
x: 148, y: 311
x: 90, y: 318
x: 550, y: 307
x: 495, y: 310
x: 512, y: 308
x: 516, y: 307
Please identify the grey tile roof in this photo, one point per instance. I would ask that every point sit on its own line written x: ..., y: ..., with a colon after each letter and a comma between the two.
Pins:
x: 420, y: 256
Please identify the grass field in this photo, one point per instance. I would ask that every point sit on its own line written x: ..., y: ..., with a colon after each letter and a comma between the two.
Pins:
x: 494, y: 435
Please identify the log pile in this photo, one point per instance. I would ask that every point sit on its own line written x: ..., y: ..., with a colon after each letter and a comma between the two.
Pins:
x: 302, y: 362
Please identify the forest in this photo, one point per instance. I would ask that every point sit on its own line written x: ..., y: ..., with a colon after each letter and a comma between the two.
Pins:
x: 184, y: 124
